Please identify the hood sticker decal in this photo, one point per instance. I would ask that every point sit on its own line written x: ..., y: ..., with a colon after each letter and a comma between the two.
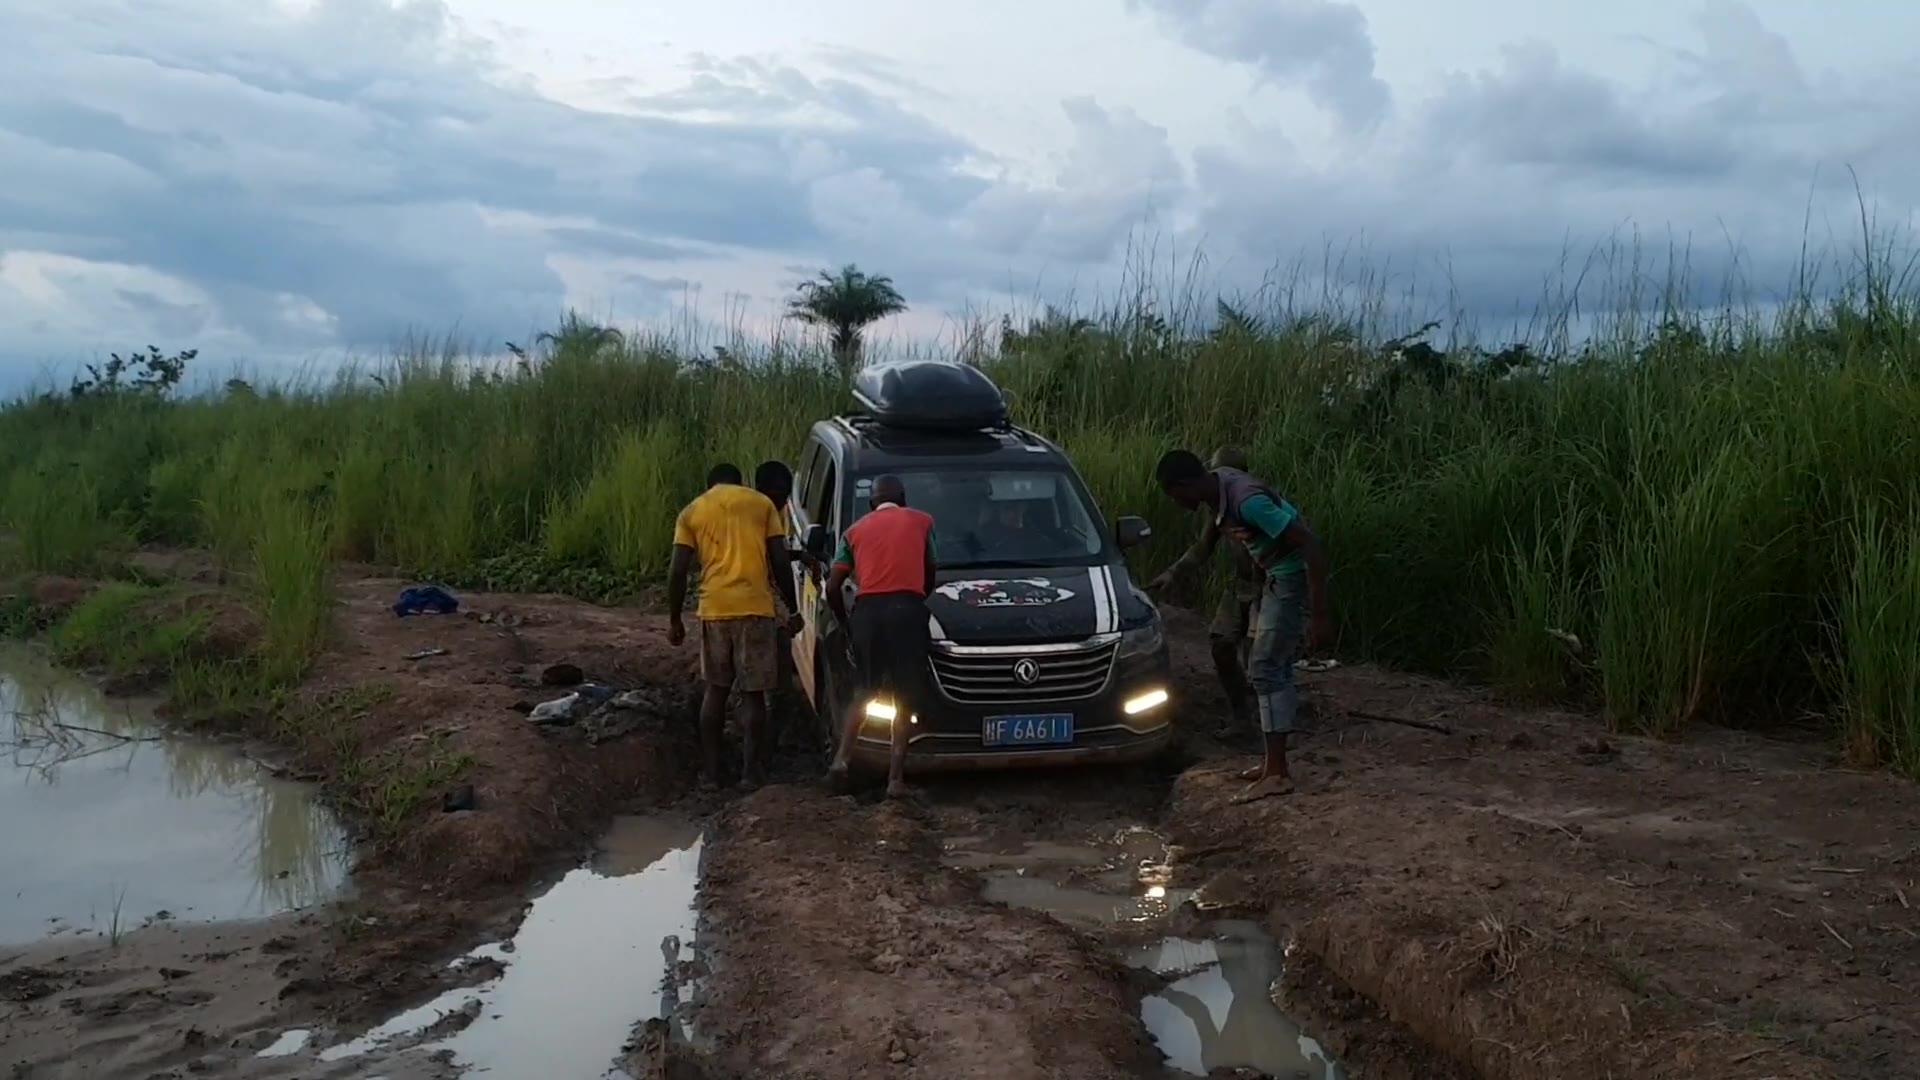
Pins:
x: 1013, y: 592
x: 1106, y: 614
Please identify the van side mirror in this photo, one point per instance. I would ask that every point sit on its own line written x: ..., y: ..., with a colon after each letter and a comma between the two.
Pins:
x: 1131, y: 532
x: 814, y: 541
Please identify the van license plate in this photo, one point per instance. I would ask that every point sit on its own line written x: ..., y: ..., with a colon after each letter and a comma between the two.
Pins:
x: 1048, y: 729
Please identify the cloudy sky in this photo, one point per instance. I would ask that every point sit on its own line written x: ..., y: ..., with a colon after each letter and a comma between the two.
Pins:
x: 285, y: 179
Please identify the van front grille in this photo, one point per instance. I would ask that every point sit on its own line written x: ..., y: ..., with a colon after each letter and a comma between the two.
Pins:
x: 993, y: 678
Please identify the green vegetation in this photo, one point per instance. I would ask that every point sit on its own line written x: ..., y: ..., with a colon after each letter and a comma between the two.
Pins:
x: 385, y: 789
x: 845, y: 303
x: 1686, y: 519
x: 126, y: 630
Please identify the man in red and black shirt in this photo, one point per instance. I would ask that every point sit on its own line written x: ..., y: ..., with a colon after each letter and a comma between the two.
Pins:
x: 889, y: 555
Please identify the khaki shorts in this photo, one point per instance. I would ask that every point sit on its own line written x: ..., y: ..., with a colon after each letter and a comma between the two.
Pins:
x: 741, y: 654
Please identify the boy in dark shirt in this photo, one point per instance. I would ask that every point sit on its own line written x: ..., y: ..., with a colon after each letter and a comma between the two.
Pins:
x: 1233, y: 617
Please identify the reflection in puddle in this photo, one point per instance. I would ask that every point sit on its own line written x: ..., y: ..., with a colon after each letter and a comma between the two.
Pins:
x: 1082, y: 908
x: 1220, y: 1013
x: 108, y: 818
x: 1084, y: 886
x: 589, y: 961
x: 289, y: 1043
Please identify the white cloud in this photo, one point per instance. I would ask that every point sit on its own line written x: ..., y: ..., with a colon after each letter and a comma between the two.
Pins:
x: 273, y: 180
x: 1323, y: 46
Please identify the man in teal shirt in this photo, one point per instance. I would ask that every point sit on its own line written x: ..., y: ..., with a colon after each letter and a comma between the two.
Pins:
x: 1294, y: 593
x: 1228, y: 634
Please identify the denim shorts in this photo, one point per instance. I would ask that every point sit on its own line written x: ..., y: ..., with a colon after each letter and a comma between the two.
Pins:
x: 1279, y: 619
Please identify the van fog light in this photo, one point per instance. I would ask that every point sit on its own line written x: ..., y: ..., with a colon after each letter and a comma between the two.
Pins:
x: 1140, y: 703
x: 885, y: 713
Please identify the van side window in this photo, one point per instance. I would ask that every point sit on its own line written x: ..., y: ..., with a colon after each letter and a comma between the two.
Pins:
x: 820, y: 511
x: 809, y: 478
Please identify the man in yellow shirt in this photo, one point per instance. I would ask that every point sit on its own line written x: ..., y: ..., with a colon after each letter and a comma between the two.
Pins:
x: 740, y: 543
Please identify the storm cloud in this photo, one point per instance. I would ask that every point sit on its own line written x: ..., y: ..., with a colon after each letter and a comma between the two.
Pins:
x: 263, y: 180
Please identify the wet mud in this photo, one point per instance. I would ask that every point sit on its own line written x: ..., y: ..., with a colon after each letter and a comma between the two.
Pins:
x: 1502, y: 893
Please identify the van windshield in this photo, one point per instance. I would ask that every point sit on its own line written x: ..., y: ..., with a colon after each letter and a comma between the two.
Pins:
x: 987, y: 519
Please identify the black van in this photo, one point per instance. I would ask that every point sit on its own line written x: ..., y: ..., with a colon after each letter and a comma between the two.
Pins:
x: 1044, y: 651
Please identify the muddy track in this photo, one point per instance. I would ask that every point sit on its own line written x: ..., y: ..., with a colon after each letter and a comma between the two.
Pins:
x: 1514, y: 896
x: 896, y: 965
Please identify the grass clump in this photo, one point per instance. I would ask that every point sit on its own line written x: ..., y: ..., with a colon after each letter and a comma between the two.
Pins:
x: 389, y: 789
x: 1877, y: 646
x: 54, y: 520
x: 17, y: 618
x: 386, y: 788
x: 125, y: 629
x: 290, y: 575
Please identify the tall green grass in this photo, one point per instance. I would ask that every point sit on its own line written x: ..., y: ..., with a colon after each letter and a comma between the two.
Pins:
x: 1877, y: 645
x: 1682, y: 520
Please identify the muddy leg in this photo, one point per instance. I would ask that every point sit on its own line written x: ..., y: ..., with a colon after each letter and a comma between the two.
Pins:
x: 897, y: 750
x: 755, y: 745
x: 838, y: 773
x: 1276, y: 639
x: 1233, y: 679
x: 713, y: 719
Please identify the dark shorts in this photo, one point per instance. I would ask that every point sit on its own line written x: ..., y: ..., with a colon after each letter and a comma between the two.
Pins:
x: 890, y: 644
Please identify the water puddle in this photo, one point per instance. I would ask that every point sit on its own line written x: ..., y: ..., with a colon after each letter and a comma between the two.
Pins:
x: 1123, y: 882
x: 592, y: 958
x: 1218, y: 1009
x: 111, y: 820
x: 1219, y: 1012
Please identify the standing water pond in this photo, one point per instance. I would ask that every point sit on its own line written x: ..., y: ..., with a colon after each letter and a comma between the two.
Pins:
x: 111, y: 820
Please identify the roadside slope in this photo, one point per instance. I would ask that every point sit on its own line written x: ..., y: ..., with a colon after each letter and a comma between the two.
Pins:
x: 1537, y: 900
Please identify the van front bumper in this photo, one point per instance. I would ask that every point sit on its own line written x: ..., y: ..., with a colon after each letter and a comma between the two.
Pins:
x: 1129, y: 720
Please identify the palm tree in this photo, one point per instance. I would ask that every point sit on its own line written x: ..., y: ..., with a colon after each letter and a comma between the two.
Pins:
x: 845, y: 303
x: 578, y: 337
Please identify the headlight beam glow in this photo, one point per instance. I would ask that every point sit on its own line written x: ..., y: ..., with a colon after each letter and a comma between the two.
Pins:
x: 1140, y: 703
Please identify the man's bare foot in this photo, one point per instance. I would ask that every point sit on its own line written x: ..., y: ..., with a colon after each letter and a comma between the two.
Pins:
x: 898, y: 789
x: 839, y: 778
x: 1266, y: 788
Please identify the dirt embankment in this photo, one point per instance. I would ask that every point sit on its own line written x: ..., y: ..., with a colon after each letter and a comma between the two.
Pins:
x: 1536, y: 900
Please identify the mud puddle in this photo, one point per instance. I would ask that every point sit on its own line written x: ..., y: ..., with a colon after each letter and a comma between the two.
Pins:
x: 598, y: 952
x: 1122, y: 882
x: 1217, y: 1011
x: 112, y: 820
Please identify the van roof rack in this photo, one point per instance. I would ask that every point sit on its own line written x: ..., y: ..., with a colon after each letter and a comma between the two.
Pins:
x: 930, y: 395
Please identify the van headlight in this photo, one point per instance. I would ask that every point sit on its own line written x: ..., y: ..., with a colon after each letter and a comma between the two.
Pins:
x: 1142, y: 640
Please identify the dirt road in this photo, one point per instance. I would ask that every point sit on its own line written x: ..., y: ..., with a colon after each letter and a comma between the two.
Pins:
x: 1519, y: 896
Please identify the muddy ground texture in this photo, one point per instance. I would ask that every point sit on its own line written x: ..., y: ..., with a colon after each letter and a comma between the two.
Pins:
x: 1517, y: 895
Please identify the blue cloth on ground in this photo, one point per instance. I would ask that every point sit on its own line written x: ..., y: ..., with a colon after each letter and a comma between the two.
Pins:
x: 425, y: 599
